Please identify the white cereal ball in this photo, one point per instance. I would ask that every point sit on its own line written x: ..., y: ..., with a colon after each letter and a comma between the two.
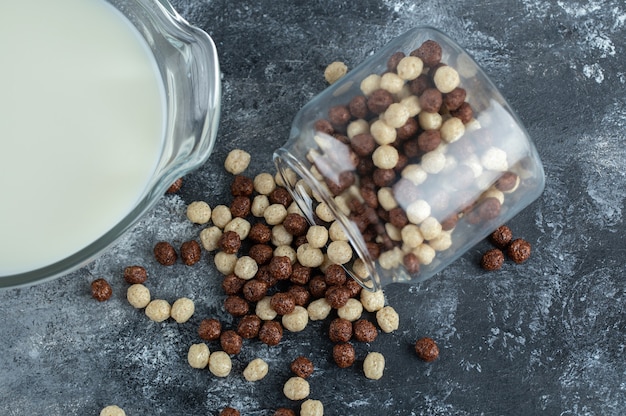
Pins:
x: 410, y: 67
x: 374, y: 365
x: 221, y: 216
x: 259, y: 205
x: 264, y: 183
x: 198, y: 355
x: 433, y: 162
x: 388, y: 319
x: 256, y: 370
x: 351, y: 311
x: 495, y: 159
x: 370, y: 84
x: 412, y: 104
x: 452, y: 129
x: 182, y: 310
x: 296, y: 388
x: 239, y: 225
x: 237, y: 161
x: 430, y: 228
x: 336, y: 232
x: 425, y: 254
x: 390, y: 259
x: 385, y: 157
x: 446, y: 79
x: 199, y: 212
x: 429, y: 121
x: 263, y: 309
x: 442, y: 242
x: 357, y: 127
x: 112, y: 410
x: 209, y: 237
x: 138, y: 295
x: 335, y: 71
x: 290, y: 176
x: 324, y: 213
x: 286, y: 251
x: 158, y: 310
x: 246, y: 268
x: 297, y: 320
x: 473, y: 163
x: 372, y: 301
x: 418, y: 211
x: 396, y: 115
x: 309, y: 256
x: 393, y: 232
x: 312, y: 407
x: 220, y: 364
x: 386, y: 199
x: 225, y: 263
x: 341, y: 201
x: 275, y: 214
x: 494, y: 193
x: 414, y: 173
x: 411, y: 235
x: 280, y: 235
x: 293, y: 208
x: 339, y: 252
x: 317, y: 236
x: 360, y: 270
x: 404, y: 93
x: 382, y: 132
x: 391, y: 82
x: 319, y: 309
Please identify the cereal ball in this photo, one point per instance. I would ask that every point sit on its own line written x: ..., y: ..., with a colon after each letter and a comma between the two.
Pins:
x: 260, y: 233
x: 372, y: 301
x: 388, y: 319
x: 519, y: 250
x: 495, y: 159
x: 232, y: 285
x: 507, y: 182
x: 364, y: 331
x: 430, y: 228
x: 221, y: 216
x: 324, y: 213
x: 283, y: 303
x: 351, y: 311
x: 410, y: 67
x: 296, y: 320
x: 210, y: 329
x: 135, y: 274
x: 385, y: 157
x: 414, y: 173
x: 280, y: 196
x: 501, y: 237
x: 230, y: 411
x: 334, y: 71
x: 175, y: 186
x: 198, y: 355
x: 101, y: 290
x: 280, y: 236
x: 374, y: 365
x: 240, y: 207
x: 264, y: 183
x: 339, y: 252
x: 418, y: 211
x: 357, y: 127
x: 492, y: 259
x: 302, y: 367
x: 164, y: 253
x: 442, y: 242
x: 236, y: 305
x: 336, y: 232
x: 433, y: 162
x: 225, y: 263
x: 340, y: 330
x: 199, y: 212
x: 280, y: 267
x: 396, y: 115
x: 138, y: 296
x: 370, y: 84
x: 249, y: 326
x: 210, y: 237
x: 411, y: 235
x: 282, y: 411
x: 425, y: 254
x: 344, y: 354
x: 296, y: 388
x: 246, y: 268
x: 254, y: 290
x: 430, y: 120
x: 220, y: 364
x: 255, y: 370
x: 231, y: 342
x: 382, y: 132
x: 158, y: 310
x: 275, y: 214
x: 429, y: 52
x: 337, y: 296
x: 446, y: 79
x: 391, y: 82
x: 182, y: 310
x: 264, y: 310
x: 319, y: 309
x: 271, y: 333
x: 237, y: 161
x: 240, y: 226
x: 300, y: 294
x: 241, y: 186
x: 311, y: 408
x: 317, y: 236
x: 259, y: 205
x: 296, y: 224
x: 300, y: 274
x: 309, y: 257
x: 112, y: 410
x: 190, y: 252
x: 426, y: 349
x: 452, y: 129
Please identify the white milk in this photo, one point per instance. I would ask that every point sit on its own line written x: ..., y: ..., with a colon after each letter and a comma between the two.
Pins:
x: 81, y: 126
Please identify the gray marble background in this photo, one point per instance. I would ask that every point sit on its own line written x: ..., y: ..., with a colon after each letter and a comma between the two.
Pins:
x: 545, y: 337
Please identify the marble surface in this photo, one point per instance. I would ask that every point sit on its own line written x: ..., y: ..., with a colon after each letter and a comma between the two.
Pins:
x: 545, y: 337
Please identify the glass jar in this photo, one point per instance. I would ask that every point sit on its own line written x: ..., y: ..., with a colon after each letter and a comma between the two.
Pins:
x: 416, y: 154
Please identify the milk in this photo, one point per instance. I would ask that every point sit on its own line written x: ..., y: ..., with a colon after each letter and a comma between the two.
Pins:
x: 81, y: 126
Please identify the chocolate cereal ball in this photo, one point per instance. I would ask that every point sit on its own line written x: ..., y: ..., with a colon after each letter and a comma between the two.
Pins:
x: 300, y: 294
x: 271, y: 333
x: 501, y: 237
x: 340, y: 330
x: 232, y: 285
x: 101, y: 290
x: 236, y: 305
x: 190, y: 252
x: 164, y: 253
x: 344, y: 354
x: 135, y: 274
x: 254, y: 290
x: 249, y: 326
x: 229, y: 242
x: 229, y: 411
x: 492, y: 259
x: 302, y: 367
x: 519, y: 250
x: 296, y: 224
x: 284, y: 412
x: 318, y: 286
x: 283, y: 303
x: 280, y: 267
x: 426, y: 349
x: 241, y: 186
x: 364, y: 331
x: 231, y: 342
x: 337, y: 296
x: 210, y: 329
